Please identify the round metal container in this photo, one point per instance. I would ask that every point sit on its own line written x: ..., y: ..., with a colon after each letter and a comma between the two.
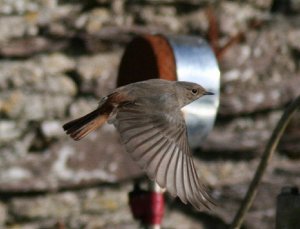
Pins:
x: 182, y: 58
x: 195, y: 62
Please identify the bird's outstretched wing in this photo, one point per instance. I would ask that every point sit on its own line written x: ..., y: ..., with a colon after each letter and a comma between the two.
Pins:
x: 158, y: 142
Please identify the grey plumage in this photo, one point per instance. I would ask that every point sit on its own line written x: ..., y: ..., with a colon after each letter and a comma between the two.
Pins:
x: 152, y: 128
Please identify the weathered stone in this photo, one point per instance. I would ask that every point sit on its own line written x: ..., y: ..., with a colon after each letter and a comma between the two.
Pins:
x: 263, y: 4
x: 52, y: 129
x: 39, y: 107
x: 55, y: 63
x: 50, y: 206
x: 91, y: 67
x: 24, y: 47
x: 176, y: 217
x: 57, y: 84
x: 42, y: 74
x: 98, y: 72
x: 111, y: 204
x: 14, y: 174
x: 249, y: 84
x: 9, y: 131
x: 82, y: 106
x: 61, y: 30
x: 10, y: 153
x: 17, y: 74
x: 65, y: 13
x: 40, y: 96
x: 259, y: 99
x: 91, y: 224
x: 22, y: 6
x: 246, y: 135
x: 224, y: 173
x: 163, y: 17
x: 97, y: 19
x: 234, y: 17
x: 10, y: 103
x: 196, y: 21
x: 21, y: 26
x: 102, y: 201
x: 3, y: 214
x: 34, y: 106
x: 38, y: 224
x: 99, y: 158
x: 263, y: 211
x: 105, y: 208
x: 292, y: 37
x: 289, y: 144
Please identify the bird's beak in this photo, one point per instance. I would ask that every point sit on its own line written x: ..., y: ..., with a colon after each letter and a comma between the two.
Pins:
x: 208, y: 93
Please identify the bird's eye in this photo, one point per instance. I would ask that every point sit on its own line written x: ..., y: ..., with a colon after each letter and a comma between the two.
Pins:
x: 194, y: 91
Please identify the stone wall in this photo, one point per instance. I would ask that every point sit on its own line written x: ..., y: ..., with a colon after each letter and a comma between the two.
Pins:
x: 59, y: 57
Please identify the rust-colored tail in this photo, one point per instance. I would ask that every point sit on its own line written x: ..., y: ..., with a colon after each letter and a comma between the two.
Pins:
x: 81, y: 127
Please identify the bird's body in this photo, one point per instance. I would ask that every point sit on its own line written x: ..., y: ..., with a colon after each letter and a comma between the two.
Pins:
x: 148, y: 116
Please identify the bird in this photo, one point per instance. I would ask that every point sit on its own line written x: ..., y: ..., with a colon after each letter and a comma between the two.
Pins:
x: 147, y: 114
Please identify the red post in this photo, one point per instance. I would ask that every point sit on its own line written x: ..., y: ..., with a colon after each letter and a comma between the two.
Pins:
x: 147, y: 206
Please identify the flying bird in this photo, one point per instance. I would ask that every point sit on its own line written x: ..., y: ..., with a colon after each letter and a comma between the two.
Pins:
x: 148, y: 117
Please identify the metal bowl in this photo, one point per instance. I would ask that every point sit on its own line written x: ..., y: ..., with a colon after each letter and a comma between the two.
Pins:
x: 182, y: 58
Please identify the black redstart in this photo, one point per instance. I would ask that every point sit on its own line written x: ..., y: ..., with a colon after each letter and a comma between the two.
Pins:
x: 148, y: 116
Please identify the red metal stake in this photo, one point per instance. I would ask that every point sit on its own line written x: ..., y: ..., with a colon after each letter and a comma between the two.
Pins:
x: 147, y: 206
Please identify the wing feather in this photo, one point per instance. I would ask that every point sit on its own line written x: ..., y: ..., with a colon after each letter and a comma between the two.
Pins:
x: 153, y: 166
x: 163, y: 166
x: 159, y: 144
x: 171, y: 174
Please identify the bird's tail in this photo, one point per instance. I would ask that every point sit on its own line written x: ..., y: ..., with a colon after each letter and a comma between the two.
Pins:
x: 81, y: 127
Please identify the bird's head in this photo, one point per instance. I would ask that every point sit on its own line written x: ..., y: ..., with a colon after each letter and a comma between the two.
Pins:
x: 187, y: 92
